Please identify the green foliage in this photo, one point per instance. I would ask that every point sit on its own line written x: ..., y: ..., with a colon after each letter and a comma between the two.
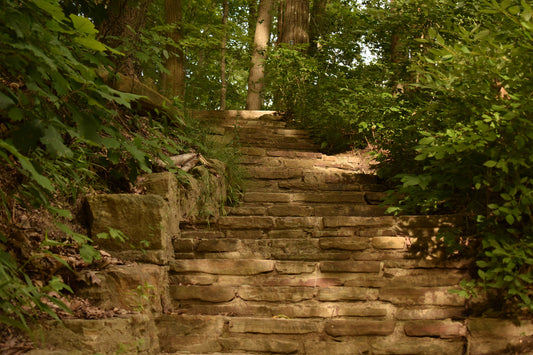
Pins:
x: 63, y: 129
x: 468, y: 138
x: 20, y: 298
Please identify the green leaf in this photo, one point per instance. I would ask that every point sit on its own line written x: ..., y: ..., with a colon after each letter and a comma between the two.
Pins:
x: 52, y: 8
x: 28, y: 166
x: 510, y: 218
x: 490, y: 163
x: 88, y: 253
x: 16, y: 114
x: 54, y: 143
x: 83, y: 25
x: 5, y: 101
x: 527, y: 12
x: 426, y: 140
x: 91, y: 43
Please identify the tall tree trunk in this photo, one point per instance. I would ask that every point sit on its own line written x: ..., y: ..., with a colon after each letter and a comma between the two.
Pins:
x: 254, y: 100
x: 398, y: 59
x: 125, y: 18
x: 316, y: 25
x: 295, y: 22
x: 223, y: 89
x: 174, y: 81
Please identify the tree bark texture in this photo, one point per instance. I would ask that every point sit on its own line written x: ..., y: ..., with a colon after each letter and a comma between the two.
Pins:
x: 125, y: 18
x: 223, y: 89
x: 294, y: 22
x: 317, y: 24
x: 174, y: 81
x: 254, y: 98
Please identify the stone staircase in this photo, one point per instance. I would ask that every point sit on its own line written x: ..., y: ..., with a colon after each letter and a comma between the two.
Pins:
x: 309, y: 263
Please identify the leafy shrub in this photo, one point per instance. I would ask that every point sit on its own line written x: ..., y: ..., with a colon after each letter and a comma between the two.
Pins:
x: 471, y: 142
x: 62, y: 129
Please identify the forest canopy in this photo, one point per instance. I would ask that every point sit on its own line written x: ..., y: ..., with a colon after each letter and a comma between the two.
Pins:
x: 442, y: 90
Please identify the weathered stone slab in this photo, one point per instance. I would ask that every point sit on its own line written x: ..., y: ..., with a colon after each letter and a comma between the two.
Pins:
x: 130, y: 286
x: 273, y: 173
x: 142, y: 218
x: 253, y: 151
x: 247, y: 210
x: 298, y: 222
x: 360, y: 346
x: 293, y: 154
x: 274, y: 197
x: 293, y: 267
x: 307, y: 281
x: 429, y: 278
x: 258, y: 344
x: 430, y: 313
x: 273, y: 326
x: 367, y: 280
x: 349, y: 210
x: 388, y: 242
x: 347, y: 294
x: 290, y: 210
x: 435, y: 328
x: 134, y: 334
x: 223, y: 267
x: 201, y: 234
x: 415, y: 346
x: 342, y: 243
x: 489, y: 336
x: 329, y: 309
x: 218, y: 245
x: 245, y: 234
x: 183, y: 245
x: 276, y: 294
x: 350, y: 266
x: 428, y: 264
x: 215, y: 294
x: 349, y: 327
x: 353, y: 221
x: 420, y: 296
x: 195, y: 333
x: 287, y: 234
x: 253, y: 222
x: 193, y: 279
x: 329, y: 197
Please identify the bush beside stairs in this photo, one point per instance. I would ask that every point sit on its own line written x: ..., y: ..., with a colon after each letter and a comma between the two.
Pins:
x: 308, y: 263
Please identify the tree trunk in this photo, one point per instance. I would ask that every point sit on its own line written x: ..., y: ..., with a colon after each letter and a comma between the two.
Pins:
x: 317, y: 23
x: 254, y: 98
x: 125, y: 18
x: 174, y: 81
x: 294, y: 22
x: 223, y: 89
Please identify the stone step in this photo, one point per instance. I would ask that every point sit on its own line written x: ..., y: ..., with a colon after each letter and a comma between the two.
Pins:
x: 237, y: 114
x: 305, y: 210
x: 311, y: 197
x: 401, y: 224
x: 222, y: 334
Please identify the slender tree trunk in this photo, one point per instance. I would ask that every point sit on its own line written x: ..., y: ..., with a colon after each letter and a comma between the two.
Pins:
x: 174, y: 81
x: 254, y: 98
x: 316, y: 25
x: 223, y: 89
x: 397, y: 58
x: 295, y: 22
x: 252, y: 20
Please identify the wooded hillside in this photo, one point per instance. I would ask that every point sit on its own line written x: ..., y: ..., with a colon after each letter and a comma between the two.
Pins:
x: 94, y: 93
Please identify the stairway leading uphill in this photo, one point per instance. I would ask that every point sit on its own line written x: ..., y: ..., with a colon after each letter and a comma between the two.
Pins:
x: 309, y: 263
